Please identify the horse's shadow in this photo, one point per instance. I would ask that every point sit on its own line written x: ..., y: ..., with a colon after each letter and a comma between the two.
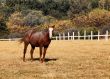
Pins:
x: 46, y: 59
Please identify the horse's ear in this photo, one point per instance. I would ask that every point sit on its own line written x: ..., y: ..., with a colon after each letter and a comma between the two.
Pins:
x: 48, y: 26
x: 53, y: 26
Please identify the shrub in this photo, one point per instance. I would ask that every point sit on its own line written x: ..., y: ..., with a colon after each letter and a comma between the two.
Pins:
x: 62, y: 25
x: 105, y: 28
x: 29, y: 18
x: 88, y: 30
x: 97, y: 18
x: 15, y: 20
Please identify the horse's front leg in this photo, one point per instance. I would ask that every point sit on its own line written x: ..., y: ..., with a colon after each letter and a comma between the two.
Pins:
x: 45, y: 49
x: 40, y: 48
x: 31, y: 52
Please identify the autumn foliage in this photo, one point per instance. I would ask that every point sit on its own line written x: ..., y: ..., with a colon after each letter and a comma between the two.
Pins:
x: 96, y: 18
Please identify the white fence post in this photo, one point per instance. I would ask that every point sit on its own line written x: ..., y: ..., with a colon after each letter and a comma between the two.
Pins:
x: 9, y: 39
x: 73, y: 35
x: 68, y: 35
x: 106, y: 36
x: 63, y: 36
x: 98, y: 35
x: 56, y: 38
x: 91, y: 35
x: 59, y: 36
x: 85, y: 35
x: 78, y: 35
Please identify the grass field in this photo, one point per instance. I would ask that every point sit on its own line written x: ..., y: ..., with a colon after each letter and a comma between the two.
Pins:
x: 64, y: 60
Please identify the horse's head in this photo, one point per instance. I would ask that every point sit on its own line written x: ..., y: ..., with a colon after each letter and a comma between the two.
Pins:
x: 51, y: 28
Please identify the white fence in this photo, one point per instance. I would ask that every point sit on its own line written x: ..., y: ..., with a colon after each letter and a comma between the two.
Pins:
x: 63, y: 36
x: 10, y: 39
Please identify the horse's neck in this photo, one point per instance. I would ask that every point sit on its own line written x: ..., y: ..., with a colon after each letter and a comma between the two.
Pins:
x: 49, y: 34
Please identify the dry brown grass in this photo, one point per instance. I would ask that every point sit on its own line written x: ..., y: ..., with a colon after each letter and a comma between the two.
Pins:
x: 65, y: 60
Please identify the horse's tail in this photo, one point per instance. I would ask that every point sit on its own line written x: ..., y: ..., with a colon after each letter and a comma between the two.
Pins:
x: 21, y: 40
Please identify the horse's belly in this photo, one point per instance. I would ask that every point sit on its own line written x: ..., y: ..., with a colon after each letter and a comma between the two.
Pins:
x: 38, y: 44
x: 35, y: 44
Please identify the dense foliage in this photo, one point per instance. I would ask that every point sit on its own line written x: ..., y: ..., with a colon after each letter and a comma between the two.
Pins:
x: 67, y: 15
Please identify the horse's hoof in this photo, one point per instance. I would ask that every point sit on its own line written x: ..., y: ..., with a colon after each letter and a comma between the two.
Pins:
x: 24, y: 60
x: 41, y: 60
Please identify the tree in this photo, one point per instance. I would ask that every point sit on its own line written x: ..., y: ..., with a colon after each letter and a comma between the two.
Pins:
x: 79, y: 7
x: 104, y: 4
x: 94, y: 3
x: 56, y: 8
x: 96, y: 18
x: 30, y: 18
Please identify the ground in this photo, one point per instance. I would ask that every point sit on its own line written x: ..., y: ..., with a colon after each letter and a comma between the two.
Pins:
x: 64, y: 60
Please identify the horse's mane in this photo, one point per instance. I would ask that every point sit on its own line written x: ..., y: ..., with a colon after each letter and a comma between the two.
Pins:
x: 45, y: 30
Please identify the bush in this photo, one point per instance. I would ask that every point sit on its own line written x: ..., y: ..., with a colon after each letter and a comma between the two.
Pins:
x: 105, y: 28
x: 29, y: 18
x: 15, y: 20
x: 97, y: 18
x: 33, y: 18
x: 62, y: 25
x: 88, y: 30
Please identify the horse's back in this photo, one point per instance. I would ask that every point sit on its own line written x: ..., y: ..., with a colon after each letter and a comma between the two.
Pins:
x: 39, y: 39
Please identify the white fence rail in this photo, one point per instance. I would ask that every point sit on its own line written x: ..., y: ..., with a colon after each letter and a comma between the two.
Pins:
x: 106, y: 36
x: 10, y: 39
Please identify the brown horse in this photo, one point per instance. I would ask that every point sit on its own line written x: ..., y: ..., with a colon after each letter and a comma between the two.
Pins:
x: 40, y: 39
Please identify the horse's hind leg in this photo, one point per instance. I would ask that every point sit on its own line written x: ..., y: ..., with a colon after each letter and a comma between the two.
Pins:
x: 31, y: 52
x: 40, y: 48
x: 25, y: 49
